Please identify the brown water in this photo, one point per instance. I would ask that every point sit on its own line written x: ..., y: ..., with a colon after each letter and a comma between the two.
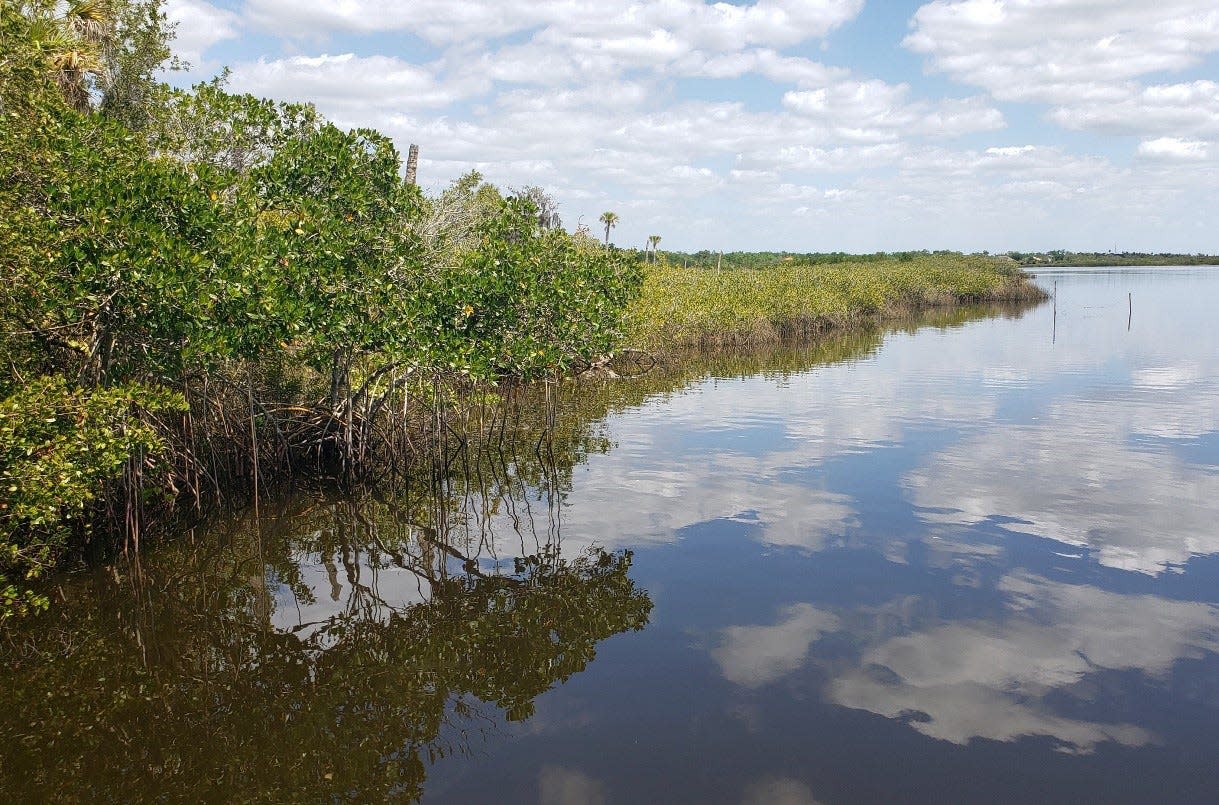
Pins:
x: 972, y: 560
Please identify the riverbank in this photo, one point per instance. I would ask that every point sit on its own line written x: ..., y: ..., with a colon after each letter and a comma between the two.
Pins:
x: 696, y: 307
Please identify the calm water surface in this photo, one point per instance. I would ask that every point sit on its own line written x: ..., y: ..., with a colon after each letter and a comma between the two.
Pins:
x: 976, y: 560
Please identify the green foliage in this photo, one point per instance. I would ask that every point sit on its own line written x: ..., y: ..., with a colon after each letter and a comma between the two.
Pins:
x: 695, y: 306
x: 59, y: 449
x: 128, y: 268
x: 235, y: 134
x: 1062, y: 258
x: 527, y: 300
x: 135, y: 51
x: 764, y: 259
x: 98, y: 54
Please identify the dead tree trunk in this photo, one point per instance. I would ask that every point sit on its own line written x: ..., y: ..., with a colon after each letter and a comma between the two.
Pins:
x: 412, y: 164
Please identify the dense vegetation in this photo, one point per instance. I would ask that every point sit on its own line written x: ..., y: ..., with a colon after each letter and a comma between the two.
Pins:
x: 764, y: 259
x: 203, y: 289
x: 1057, y: 257
x: 704, y: 307
x: 1063, y: 258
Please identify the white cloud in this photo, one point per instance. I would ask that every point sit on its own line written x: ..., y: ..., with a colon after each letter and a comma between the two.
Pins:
x: 562, y: 786
x: 666, y: 110
x: 778, y: 23
x: 1082, y: 57
x: 1175, y: 149
x: 778, y: 791
x: 1085, y: 482
x: 870, y: 111
x: 1179, y: 109
x: 345, y: 86
x: 199, y: 25
x: 1065, y: 51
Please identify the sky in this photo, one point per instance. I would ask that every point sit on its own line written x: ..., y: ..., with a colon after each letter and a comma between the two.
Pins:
x: 799, y: 125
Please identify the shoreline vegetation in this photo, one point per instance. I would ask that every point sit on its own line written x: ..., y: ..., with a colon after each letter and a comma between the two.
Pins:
x: 1054, y: 258
x: 706, y: 307
x: 1061, y: 259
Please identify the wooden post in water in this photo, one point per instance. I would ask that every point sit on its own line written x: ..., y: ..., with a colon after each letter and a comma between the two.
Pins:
x: 412, y: 164
x: 1054, y: 326
x: 1129, y: 310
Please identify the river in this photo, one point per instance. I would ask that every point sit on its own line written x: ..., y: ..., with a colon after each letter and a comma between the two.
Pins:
x: 971, y: 558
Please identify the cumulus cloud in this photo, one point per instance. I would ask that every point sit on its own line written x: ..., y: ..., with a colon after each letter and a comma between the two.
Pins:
x: 1084, y: 479
x: 1062, y: 52
x: 198, y: 26
x: 773, y: 22
x: 1083, y: 58
x: 345, y: 85
x: 778, y: 791
x: 1174, y: 149
x: 558, y: 785
x: 1184, y: 109
x: 868, y: 111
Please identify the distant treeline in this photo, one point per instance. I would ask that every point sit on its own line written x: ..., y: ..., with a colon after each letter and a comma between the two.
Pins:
x: 1059, y: 257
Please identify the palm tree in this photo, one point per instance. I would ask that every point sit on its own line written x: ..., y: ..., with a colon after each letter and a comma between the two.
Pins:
x: 72, y: 40
x: 653, y: 241
x: 610, y: 219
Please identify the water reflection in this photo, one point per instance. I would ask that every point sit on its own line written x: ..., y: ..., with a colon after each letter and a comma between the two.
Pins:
x: 1085, y: 482
x: 335, y: 649
x: 1018, y: 673
x: 988, y: 542
x: 756, y: 655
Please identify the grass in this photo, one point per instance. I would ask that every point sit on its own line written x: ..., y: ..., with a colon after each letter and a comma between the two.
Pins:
x: 682, y: 307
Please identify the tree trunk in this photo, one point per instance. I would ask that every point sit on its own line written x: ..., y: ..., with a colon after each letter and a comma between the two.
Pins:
x: 412, y: 164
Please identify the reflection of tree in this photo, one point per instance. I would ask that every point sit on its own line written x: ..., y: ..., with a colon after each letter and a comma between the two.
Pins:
x: 589, y: 400
x: 178, y: 686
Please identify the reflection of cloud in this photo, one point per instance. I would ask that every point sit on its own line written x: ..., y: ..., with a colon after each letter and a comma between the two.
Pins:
x: 1002, y: 376
x: 1165, y: 377
x: 1082, y: 482
x: 756, y: 655
x: 961, y: 712
x: 654, y: 484
x: 778, y: 791
x: 560, y: 786
x: 975, y: 679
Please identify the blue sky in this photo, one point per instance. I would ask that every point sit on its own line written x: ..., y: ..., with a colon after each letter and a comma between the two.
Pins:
x: 806, y: 125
